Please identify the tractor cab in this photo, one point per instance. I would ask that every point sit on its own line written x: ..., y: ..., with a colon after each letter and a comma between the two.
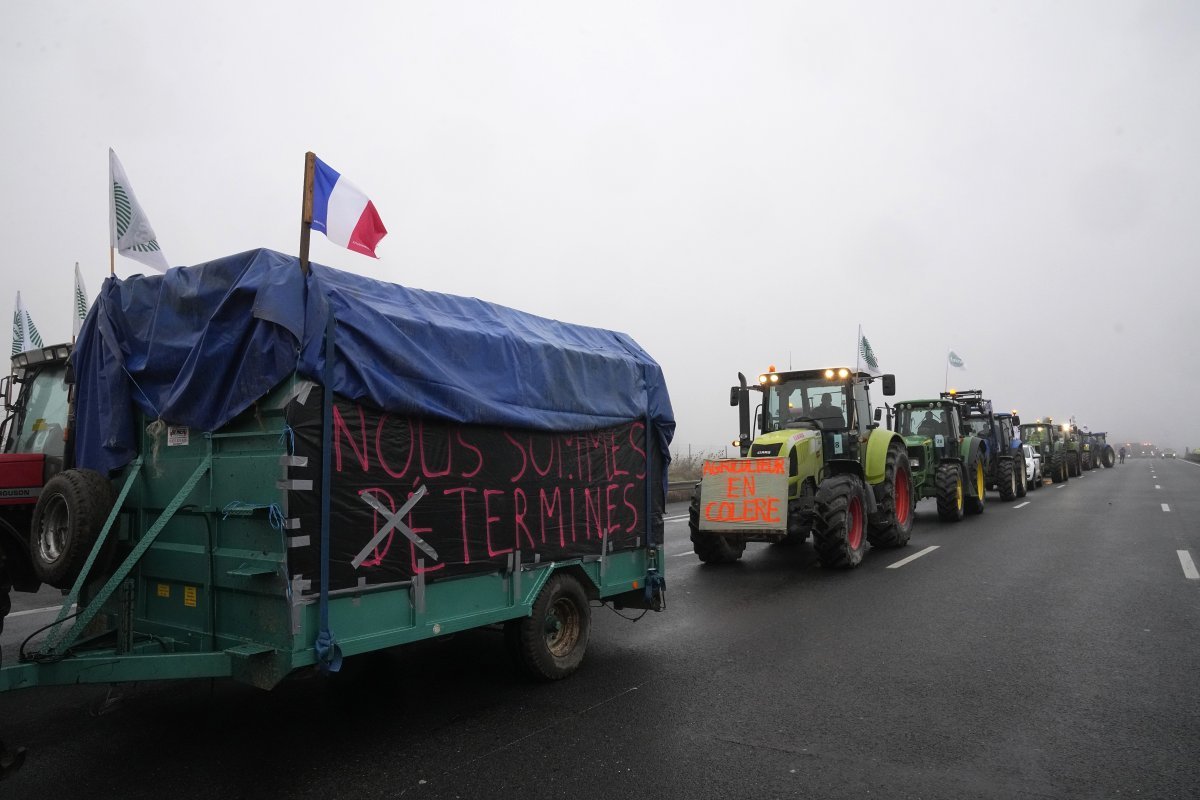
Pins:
x: 939, y: 420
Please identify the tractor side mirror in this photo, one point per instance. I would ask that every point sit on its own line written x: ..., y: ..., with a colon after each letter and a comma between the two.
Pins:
x: 879, y: 415
x: 889, y: 385
x: 5, y: 388
x: 733, y: 395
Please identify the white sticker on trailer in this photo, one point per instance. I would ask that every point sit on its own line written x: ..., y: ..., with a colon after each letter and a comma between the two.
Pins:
x: 177, y: 436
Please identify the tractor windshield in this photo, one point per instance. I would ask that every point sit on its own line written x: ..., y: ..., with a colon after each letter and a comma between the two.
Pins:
x: 1035, y: 434
x: 979, y: 426
x: 41, y: 414
x: 790, y: 403
x: 922, y: 421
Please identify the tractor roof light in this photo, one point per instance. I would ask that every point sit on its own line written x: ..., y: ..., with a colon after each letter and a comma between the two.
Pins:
x: 774, y: 377
x: 843, y: 372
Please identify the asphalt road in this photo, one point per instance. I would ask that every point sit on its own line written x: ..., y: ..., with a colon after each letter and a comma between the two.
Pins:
x: 1049, y: 648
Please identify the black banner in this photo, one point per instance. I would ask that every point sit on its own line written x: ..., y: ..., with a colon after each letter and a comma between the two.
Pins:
x: 489, y: 492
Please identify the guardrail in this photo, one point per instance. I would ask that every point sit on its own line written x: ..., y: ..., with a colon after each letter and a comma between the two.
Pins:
x: 681, y: 486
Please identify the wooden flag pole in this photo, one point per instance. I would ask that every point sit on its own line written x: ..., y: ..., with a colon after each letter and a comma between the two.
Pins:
x: 310, y: 165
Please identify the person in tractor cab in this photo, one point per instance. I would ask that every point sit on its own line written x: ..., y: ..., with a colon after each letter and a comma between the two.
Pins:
x: 829, y: 415
x: 931, y: 425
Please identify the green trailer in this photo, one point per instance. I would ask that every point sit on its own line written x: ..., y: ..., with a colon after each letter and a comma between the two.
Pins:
x: 324, y: 518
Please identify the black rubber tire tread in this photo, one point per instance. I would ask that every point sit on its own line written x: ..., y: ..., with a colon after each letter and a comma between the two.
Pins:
x: 1109, y: 458
x: 946, y: 481
x: 831, y: 524
x: 1019, y: 472
x: 798, y: 526
x: 1074, y: 465
x: 711, y: 548
x: 974, y: 505
x: 1056, y: 468
x: 88, y: 497
x: 884, y: 529
x: 527, y: 636
x: 1006, y: 480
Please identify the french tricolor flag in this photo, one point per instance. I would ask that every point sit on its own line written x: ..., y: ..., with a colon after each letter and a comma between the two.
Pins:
x: 343, y: 213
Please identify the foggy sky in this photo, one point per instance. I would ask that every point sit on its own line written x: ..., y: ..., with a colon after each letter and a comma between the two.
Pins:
x: 732, y: 186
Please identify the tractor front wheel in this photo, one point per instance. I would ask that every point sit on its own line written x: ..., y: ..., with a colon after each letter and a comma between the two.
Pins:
x: 839, y: 532
x: 891, y: 526
x: 949, y: 484
x: 975, y: 474
x: 1007, y: 480
x: 1022, y: 477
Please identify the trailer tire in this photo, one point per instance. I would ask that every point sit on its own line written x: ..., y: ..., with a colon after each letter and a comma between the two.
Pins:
x: 711, y: 548
x: 550, y: 643
x: 975, y: 474
x: 1006, y: 481
x: 892, y: 524
x: 70, y: 512
x: 949, y: 485
x: 839, y: 530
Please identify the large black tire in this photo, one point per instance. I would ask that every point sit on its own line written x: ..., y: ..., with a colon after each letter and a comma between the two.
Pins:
x: 1109, y: 457
x: 70, y: 512
x: 976, y: 481
x: 710, y: 547
x: 839, y: 528
x: 1073, y: 467
x: 891, y: 524
x: 948, y: 482
x: 550, y: 643
x: 1058, y: 473
x: 799, y: 523
x: 1006, y: 480
x: 1019, y: 471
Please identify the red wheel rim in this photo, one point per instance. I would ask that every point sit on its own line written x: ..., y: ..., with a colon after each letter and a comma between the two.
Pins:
x: 854, y: 523
x: 903, y: 498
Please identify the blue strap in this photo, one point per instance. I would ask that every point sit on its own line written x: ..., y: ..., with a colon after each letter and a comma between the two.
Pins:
x: 329, y: 655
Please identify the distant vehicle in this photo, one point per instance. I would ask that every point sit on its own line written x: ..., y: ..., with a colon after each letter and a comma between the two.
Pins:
x: 1168, y: 453
x: 1033, y: 467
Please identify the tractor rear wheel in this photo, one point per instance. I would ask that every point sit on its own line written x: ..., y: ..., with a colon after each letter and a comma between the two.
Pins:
x: 1109, y: 457
x: 712, y: 548
x: 949, y: 484
x: 67, y: 519
x: 975, y: 475
x: 891, y: 525
x: 1006, y: 480
x: 840, y: 526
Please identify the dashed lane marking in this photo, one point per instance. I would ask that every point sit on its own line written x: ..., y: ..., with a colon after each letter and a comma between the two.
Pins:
x: 1166, y: 507
x: 1189, y: 567
x: 672, y: 519
x: 29, y: 611
x: 1022, y: 505
x: 1156, y: 486
x: 914, y: 556
x: 684, y: 553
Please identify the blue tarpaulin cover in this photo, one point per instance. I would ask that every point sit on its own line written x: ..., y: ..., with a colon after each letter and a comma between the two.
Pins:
x: 199, y: 345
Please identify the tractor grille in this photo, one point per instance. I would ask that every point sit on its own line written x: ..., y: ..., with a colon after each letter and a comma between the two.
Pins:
x: 764, y: 450
x: 916, y: 458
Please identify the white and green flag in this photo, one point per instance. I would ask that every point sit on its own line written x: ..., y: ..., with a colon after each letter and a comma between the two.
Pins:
x: 81, y: 304
x: 866, y: 355
x: 955, y: 360
x: 129, y: 228
x: 25, y: 334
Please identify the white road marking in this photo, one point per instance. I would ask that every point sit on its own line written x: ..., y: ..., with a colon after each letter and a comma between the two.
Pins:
x: 684, y: 553
x: 914, y: 556
x: 1061, y: 486
x: 1189, y: 567
x: 1166, y: 507
x: 1156, y: 486
x: 672, y: 519
x: 29, y: 611
x: 1022, y: 505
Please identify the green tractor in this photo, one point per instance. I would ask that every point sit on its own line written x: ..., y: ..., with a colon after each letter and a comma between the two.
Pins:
x: 1051, y: 443
x: 1074, y: 448
x: 814, y: 458
x: 948, y: 461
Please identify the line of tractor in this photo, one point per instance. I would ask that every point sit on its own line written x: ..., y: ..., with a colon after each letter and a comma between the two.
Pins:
x: 850, y: 474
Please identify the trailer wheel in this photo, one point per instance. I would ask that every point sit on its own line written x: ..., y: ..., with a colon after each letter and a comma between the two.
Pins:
x: 70, y: 512
x: 551, y: 642
x: 949, y: 484
x: 1006, y: 481
x: 839, y: 532
x: 892, y: 525
x: 975, y: 474
x: 711, y: 548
